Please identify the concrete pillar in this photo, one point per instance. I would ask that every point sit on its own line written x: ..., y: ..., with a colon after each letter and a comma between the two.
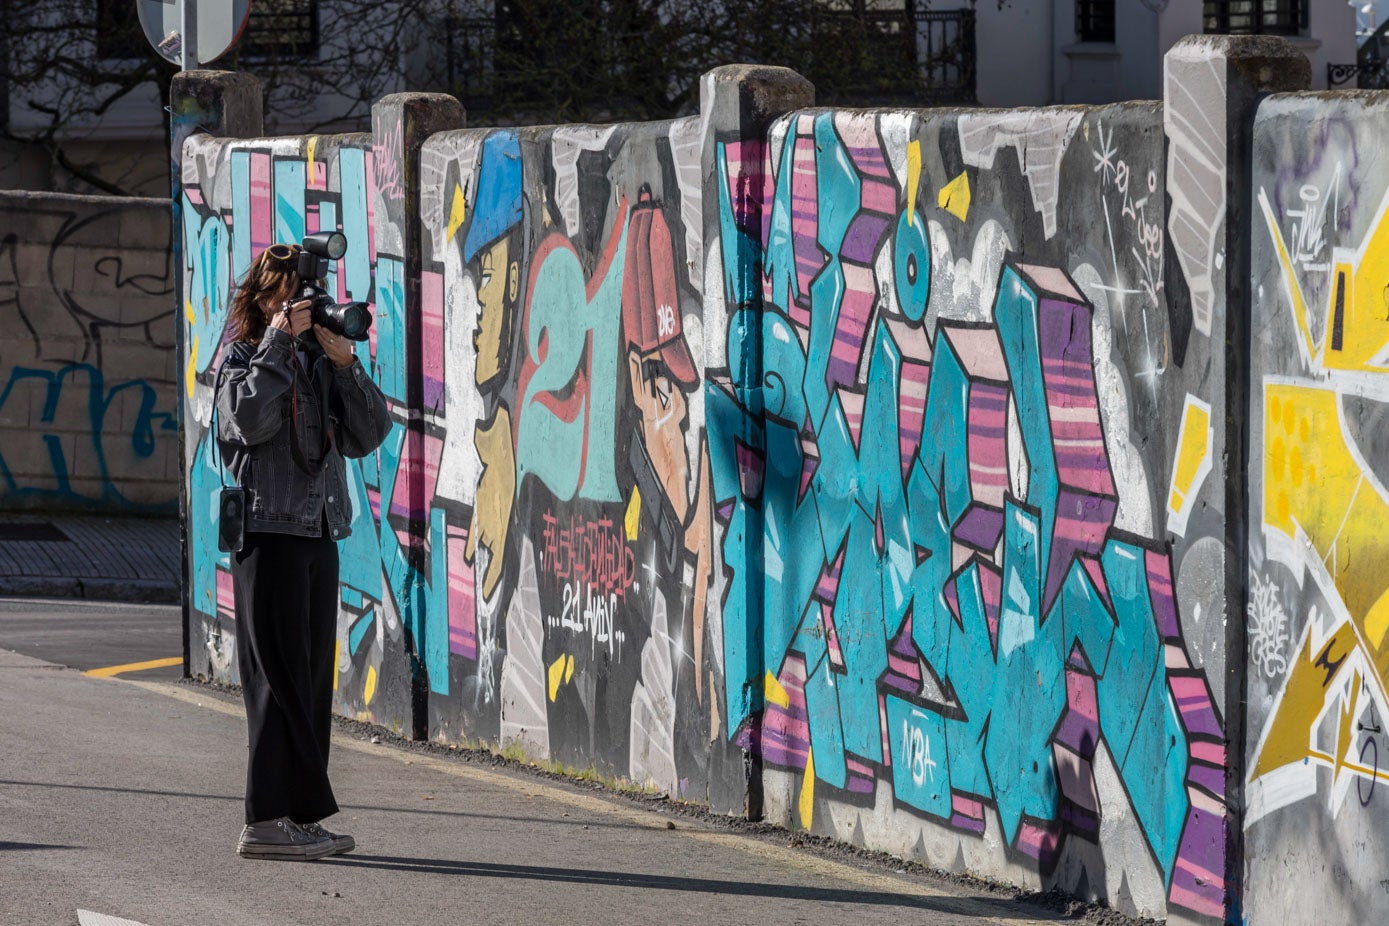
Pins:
x: 1212, y: 87
x: 400, y: 124
x: 738, y: 103
x: 220, y: 103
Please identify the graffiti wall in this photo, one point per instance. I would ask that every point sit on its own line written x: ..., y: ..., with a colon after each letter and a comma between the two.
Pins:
x: 962, y: 443
x: 1318, y: 676
x: 867, y: 471
x: 574, y: 581
x: 239, y: 197
x: 87, y: 362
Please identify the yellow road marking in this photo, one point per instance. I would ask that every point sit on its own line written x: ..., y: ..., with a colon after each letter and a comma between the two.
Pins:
x: 111, y: 671
x: 985, y: 909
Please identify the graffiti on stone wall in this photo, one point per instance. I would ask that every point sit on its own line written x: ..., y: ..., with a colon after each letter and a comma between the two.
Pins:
x: 83, y: 315
x: 1319, y: 603
x: 570, y: 514
x: 919, y: 500
x: 239, y: 197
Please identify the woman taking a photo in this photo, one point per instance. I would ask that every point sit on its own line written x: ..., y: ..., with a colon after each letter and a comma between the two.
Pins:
x: 287, y: 414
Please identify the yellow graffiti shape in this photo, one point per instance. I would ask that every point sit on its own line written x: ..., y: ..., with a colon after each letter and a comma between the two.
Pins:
x: 774, y: 692
x: 913, y: 179
x: 496, y: 490
x: 1312, y: 672
x: 308, y: 156
x: 632, y: 522
x: 458, y: 212
x: 1355, y: 335
x: 1192, y: 462
x: 190, y: 372
x: 954, y: 197
x: 1316, y: 481
x: 806, y: 804
x: 559, y: 673
x: 369, y: 691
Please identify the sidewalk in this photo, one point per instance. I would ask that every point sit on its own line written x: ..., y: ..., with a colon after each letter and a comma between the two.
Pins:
x: 83, y: 556
x: 123, y: 798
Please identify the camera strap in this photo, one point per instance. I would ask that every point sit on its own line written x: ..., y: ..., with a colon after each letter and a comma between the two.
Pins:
x: 218, y: 460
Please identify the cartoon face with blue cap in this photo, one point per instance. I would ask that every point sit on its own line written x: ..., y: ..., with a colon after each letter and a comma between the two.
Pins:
x: 492, y: 250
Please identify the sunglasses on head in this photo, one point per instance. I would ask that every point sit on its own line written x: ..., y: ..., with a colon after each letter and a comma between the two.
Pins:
x: 283, y: 257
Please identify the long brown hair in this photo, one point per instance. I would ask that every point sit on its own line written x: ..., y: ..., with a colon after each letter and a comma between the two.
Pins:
x: 270, y: 275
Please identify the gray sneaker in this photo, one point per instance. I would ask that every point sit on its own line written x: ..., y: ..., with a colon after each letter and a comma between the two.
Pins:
x: 341, y: 843
x: 282, y: 839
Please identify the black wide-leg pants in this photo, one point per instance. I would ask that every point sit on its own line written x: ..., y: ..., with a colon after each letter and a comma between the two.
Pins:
x: 286, y: 614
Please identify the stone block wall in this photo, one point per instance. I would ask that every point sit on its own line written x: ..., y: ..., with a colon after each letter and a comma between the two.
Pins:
x: 88, y: 366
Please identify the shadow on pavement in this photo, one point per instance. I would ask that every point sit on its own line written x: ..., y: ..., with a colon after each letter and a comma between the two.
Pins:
x: 22, y: 846
x: 574, y: 821
x: 942, y: 904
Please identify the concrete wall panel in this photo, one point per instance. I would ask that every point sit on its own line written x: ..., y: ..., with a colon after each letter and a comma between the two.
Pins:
x: 1318, y: 693
x: 87, y: 403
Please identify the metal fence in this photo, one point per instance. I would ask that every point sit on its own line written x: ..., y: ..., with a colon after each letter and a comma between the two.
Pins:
x: 1371, y: 75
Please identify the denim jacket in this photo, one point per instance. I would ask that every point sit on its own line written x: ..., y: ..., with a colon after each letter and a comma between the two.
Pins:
x: 261, y: 394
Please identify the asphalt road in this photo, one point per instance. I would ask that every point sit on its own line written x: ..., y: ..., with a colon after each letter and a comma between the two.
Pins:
x: 121, y: 797
x: 84, y: 634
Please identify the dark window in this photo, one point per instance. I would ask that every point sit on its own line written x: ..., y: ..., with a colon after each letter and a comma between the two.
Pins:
x: 1256, y: 17
x: 118, y: 32
x: 281, y: 29
x: 1095, y: 20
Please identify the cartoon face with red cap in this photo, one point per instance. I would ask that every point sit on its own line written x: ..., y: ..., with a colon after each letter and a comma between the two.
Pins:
x: 659, y: 364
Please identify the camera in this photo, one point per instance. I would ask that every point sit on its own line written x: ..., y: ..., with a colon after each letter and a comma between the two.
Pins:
x: 351, y: 320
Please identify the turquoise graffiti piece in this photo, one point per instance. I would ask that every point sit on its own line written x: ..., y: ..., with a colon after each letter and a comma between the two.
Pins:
x: 740, y: 252
x: 209, y: 282
x: 911, y: 259
x: 390, y: 368
x: 822, y: 704
x: 204, y: 487
x: 727, y: 423
x: 436, y: 607
x: 1015, y: 314
x: 839, y: 192
x: 360, y: 553
x: 1147, y: 743
x: 572, y: 339
x: 779, y: 262
x: 241, y: 212
x: 356, y: 263
x: 359, y: 632
x: 920, y: 757
x: 289, y: 201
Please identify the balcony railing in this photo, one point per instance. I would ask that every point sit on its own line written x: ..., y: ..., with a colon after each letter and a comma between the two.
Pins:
x: 1371, y: 75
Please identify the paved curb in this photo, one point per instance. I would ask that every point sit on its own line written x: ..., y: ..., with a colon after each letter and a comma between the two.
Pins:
x: 144, y: 591
x: 96, y: 557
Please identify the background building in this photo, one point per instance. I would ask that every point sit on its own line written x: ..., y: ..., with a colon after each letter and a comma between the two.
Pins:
x: 81, y: 109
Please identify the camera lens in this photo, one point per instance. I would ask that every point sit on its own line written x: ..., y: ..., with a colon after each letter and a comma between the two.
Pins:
x: 356, y: 321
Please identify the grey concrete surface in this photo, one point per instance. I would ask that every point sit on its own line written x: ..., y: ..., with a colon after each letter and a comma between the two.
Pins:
x: 93, y: 634
x: 82, y: 556
x: 124, y: 798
